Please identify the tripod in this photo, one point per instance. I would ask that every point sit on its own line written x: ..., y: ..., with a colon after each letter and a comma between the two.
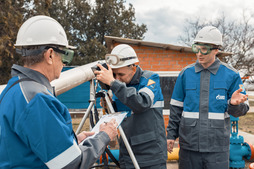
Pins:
x: 93, y: 88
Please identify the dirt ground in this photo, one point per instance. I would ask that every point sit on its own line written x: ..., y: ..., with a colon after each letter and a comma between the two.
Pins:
x: 246, y: 123
x: 76, y: 122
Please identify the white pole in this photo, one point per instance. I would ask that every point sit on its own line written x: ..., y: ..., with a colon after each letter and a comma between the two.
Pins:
x: 73, y: 77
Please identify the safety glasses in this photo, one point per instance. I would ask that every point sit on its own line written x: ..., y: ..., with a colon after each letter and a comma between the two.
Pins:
x: 202, y: 48
x: 115, y: 59
x: 66, y: 54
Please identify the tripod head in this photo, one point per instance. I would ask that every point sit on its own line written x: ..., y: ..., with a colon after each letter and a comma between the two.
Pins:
x: 103, y: 85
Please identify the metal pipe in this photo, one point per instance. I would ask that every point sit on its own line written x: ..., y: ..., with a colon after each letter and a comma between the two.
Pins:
x: 73, y: 77
x: 2, y: 88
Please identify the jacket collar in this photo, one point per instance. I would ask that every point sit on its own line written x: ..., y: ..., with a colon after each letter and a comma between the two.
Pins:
x: 213, y: 68
x: 32, y: 74
x: 136, y: 77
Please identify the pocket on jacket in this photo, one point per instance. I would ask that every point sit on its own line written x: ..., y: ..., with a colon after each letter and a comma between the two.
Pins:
x: 145, y: 143
x: 217, y: 133
x: 187, y: 126
x: 217, y: 124
x: 191, y: 94
x: 191, y: 87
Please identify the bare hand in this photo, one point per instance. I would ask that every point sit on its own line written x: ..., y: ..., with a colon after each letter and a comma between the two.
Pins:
x: 110, y: 128
x: 238, y: 97
x: 170, y: 145
x: 104, y: 75
x: 81, y: 136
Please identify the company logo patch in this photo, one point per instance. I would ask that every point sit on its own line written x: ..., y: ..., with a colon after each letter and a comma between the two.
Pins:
x: 219, y: 97
x: 242, y: 87
x: 150, y: 82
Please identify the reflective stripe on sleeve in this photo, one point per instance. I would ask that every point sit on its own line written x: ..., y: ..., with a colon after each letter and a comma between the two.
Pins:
x: 65, y: 157
x: 176, y: 103
x: 148, y: 91
x: 158, y: 104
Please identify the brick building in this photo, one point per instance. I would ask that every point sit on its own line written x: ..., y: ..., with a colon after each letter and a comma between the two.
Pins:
x: 165, y: 59
x: 158, y: 56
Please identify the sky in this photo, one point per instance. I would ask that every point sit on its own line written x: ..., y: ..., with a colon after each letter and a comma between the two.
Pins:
x: 165, y: 19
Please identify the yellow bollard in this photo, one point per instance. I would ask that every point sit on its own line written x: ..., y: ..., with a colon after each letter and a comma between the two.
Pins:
x: 174, y: 155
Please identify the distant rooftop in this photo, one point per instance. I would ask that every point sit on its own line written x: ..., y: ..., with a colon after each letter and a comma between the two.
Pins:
x: 111, y: 40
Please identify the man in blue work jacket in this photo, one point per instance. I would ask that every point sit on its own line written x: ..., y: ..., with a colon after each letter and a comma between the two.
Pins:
x: 36, y: 128
x: 138, y: 92
x: 204, y: 96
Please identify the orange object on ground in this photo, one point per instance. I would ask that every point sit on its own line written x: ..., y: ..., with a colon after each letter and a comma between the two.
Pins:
x: 251, y: 166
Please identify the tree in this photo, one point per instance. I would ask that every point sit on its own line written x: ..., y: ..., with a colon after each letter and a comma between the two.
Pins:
x: 112, y: 18
x: 11, y: 16
x: 238, y: 39
x: 103, y: 18
x: 85, y: 25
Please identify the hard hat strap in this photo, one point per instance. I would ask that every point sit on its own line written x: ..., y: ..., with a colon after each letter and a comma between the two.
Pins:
x: 115, y: 59
x: 128, y: 58
x: 30, y: 52
x: 66, y: 54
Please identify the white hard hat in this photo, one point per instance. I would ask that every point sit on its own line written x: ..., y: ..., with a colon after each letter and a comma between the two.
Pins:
x: 42, y: 30
x: 122, y: 55
x: 209, y: 35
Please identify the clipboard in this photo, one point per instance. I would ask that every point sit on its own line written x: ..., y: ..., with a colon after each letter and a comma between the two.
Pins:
x: 105, y: 119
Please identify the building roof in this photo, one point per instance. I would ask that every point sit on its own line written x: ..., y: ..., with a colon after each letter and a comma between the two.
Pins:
x: 111, y: 40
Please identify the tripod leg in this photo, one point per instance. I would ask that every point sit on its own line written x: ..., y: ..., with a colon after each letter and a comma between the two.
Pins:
x: 128, y: 147
x: 84, y: 118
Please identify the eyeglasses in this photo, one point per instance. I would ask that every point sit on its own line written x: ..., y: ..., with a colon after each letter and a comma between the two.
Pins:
x: 202, y: 48
x: 66, y: 54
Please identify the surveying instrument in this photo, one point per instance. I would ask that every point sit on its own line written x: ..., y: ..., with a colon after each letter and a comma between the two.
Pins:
x: 102, y: 93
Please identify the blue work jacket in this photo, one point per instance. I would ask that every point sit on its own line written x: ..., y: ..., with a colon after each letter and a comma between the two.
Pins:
x: 36, y: 128
x: 144, y: 126
x: 200, y: 109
